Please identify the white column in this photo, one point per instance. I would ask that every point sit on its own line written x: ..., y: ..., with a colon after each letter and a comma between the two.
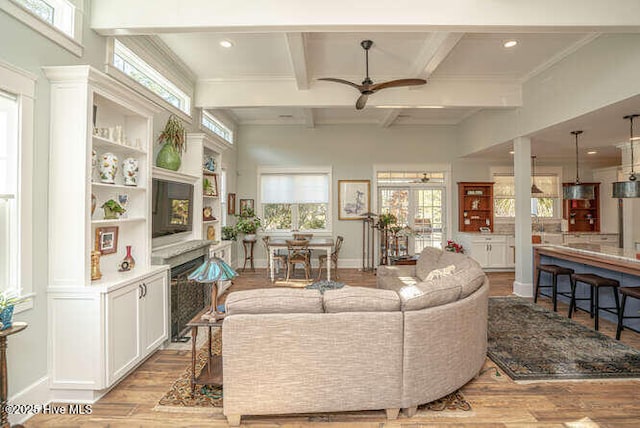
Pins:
x: 523, y: 284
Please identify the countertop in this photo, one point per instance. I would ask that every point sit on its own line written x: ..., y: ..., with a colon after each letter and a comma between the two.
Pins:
x: 604, y: 251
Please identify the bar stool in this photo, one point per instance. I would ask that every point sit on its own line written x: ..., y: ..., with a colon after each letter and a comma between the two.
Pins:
x: 633, y: 292
x: 596, y: 282
x: 554, y: 270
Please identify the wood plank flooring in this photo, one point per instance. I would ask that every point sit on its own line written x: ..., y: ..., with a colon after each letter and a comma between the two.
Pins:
x: 496, y: 400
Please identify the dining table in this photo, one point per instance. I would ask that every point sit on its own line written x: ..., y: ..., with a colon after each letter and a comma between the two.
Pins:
x: 322, y: 244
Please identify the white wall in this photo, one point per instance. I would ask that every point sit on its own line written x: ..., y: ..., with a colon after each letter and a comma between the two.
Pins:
x: 351, y: 150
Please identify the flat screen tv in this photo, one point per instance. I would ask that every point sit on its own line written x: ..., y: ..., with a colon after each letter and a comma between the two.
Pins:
x: 172, y: 208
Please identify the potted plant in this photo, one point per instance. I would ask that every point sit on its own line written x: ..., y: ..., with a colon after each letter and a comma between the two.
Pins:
x: 229, y: 233
x: 112, y: 209
x: 173, y: 138
x: 8, y: 299
x: 248, y: 223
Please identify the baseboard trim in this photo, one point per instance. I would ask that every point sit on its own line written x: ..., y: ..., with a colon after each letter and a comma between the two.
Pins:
x: 37, y: 393
x: 523, y: 289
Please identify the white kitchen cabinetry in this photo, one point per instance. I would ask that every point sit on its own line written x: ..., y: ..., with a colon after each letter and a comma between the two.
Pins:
x: 99, y: 329
x: 490, y: 251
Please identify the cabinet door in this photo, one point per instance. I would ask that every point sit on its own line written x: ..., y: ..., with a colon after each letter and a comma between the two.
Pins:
x: 154, y: 313
x: 123, y: 333
x: 497, y: 254
x: 480, y: 252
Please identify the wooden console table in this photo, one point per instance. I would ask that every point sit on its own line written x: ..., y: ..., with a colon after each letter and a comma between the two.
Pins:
x: 211, y: 373
x: 4, y: 395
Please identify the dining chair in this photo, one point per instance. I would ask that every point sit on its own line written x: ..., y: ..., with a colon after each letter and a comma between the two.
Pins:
x: 279, y: 260
x: 298, y: 253
x: 322, y: 258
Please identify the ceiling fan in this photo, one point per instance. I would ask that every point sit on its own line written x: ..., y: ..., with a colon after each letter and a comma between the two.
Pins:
x: 368, y: 87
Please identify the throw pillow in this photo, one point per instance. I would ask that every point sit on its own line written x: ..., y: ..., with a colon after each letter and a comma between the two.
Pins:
x: 440, y: 273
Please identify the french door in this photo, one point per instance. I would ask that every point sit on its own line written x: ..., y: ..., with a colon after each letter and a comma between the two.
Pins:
x: 422, y: 208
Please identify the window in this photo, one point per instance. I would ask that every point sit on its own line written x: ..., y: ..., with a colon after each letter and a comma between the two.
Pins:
x: 295, y: 200
x: 544, y: 206
x: 214, y: 125
x: 223, y: 196
x: 16, y: 168
x: 133, y: 66
x: 8, y: 191
x: 55, y: 19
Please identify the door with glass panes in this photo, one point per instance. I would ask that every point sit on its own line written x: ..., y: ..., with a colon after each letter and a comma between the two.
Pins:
x: 422, y: 209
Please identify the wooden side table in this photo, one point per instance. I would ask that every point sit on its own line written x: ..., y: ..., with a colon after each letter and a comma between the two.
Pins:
x: 404, y: 260
x: 248, y: 254
x: 211, y: 373
x: 16, y: 328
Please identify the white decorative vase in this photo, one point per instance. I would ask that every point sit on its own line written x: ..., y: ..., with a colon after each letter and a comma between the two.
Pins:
x: 130, y: 171
x: 108, y: 168
x: 250, y: 237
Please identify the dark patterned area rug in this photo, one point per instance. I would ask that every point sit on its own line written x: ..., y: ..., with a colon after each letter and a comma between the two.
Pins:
x: 529, y: 342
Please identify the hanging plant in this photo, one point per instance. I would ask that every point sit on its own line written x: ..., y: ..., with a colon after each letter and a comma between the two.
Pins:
x: 174, y: 134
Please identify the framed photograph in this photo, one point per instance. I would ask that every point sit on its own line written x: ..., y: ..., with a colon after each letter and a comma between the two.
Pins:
x: 107, y: 239
x: 231, y: 203
x: 246, y: 204
x: 353, y: 199
x: 210, y: 185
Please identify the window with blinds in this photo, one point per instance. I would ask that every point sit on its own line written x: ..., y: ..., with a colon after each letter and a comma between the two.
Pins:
x: 295, y: 201
x: 543, y: 204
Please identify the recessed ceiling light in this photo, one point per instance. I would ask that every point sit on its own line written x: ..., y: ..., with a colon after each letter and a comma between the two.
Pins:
x: 591, y: 152
x: 511, y: 152
x: 510, y: 43
x: 285, y: 116
x: 226, y: 44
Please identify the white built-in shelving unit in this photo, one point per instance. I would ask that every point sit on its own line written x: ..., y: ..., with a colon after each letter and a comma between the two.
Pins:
x: 102, y: 329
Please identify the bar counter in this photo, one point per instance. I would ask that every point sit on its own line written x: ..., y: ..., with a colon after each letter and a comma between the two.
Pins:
x: 606, y: 261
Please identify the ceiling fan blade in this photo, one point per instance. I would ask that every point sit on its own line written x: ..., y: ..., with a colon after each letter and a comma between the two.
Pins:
x: 344, y: 82
x: 362, y: 101
x: 397, y: 83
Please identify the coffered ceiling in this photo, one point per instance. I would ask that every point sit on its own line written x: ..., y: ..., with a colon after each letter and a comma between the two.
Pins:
x: 270, y: 73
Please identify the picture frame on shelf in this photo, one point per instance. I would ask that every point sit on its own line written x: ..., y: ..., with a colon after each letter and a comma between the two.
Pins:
x: 354, y: 199
x: 107, y: 239
x: 246, y: 204
x: 231, y: 203
x: 211, y: 233
x: 210, y: 185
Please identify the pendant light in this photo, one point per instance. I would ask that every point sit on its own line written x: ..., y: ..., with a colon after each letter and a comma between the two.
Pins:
x: 631, y: 188
x: 578, y: 190
x: 534, y: 189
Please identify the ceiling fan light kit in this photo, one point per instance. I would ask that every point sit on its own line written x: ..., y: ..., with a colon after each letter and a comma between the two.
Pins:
x: 367, y: 87
x: 631, y: 188
x: 579, y: 191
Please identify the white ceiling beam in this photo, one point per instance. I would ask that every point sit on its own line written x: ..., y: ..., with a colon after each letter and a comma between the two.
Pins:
x: 309, y: 119
x: 298, y: 54
x: 433, y: 52
x: 284, y: 93
x: 109, y: 17
x: 389, y: 118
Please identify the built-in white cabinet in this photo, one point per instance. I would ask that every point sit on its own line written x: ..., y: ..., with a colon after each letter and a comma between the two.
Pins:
x: 490, y: 251
x: 100, y: 329
x: 136, y: 323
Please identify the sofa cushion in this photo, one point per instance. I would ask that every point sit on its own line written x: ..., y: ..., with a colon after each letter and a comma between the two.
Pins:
x: 274, y: 301
x: 361, y: 299
x: 395, y: 283
x: 446, y: 289
x: 427, y: 262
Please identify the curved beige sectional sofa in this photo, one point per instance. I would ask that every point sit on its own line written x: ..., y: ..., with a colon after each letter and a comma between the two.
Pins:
x: 417, y: 337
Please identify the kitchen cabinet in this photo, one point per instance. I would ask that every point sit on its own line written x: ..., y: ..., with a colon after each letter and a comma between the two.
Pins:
x: 582, y: 215
x: 490, y: 251
x: 475, y: 206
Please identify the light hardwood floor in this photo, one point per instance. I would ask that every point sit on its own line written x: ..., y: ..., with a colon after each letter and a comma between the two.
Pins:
x: 495, y: 401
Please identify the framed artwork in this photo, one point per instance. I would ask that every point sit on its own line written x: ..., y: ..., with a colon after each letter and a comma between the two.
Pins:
x: 210, y: 185
x: 246, y: 204
x: 107, y: 239
x: 231, y: 203
x: 353, y: 199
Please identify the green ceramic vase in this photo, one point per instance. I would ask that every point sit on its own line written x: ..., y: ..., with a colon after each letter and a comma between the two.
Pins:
x: 168, y: 157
